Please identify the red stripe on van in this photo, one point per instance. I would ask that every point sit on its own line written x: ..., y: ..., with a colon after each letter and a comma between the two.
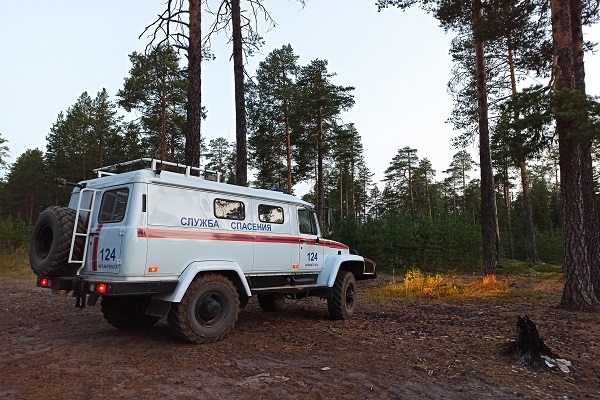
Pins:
x: 232, y: 237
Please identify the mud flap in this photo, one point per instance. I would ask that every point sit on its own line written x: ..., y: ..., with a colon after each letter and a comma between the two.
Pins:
x: 80, y: 293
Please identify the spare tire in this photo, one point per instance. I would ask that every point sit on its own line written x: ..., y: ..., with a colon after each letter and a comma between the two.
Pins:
x: 51, y: 243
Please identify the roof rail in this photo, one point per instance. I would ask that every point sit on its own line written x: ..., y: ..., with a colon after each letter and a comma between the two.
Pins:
x: 155, y: 165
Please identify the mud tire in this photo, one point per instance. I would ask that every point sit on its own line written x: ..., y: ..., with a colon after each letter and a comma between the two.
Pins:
x: 208, y: 310
x: 127, y: 312
x: 271, y: 302
x: 50, y: 243
x: 343, y: 303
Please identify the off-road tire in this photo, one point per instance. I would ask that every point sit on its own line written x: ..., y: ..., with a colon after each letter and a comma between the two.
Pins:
x: 343, y: 303
x: 271, y: 302
x: 208, y: 310
x: 127, y: 312
x: 50, y: 243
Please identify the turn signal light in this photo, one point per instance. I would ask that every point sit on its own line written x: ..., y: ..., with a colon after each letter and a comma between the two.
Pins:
x: 152, y: 269
x: 44, y: 282
x: 101, y: 288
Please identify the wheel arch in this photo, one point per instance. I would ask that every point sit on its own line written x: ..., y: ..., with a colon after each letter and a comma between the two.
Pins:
x: 230, y: 270
x: 337, y: 262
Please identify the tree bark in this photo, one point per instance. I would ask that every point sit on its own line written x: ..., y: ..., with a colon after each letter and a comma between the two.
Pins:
x: 531, y: 240
x: 288, y: 145
x: 241, y: 160
x: 489, y: 216
x: 320, y: 192
x: 194, y: 106
x: 575, y: 185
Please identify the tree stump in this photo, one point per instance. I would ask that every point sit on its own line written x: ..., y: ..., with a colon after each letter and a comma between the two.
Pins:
x: 529, y: 347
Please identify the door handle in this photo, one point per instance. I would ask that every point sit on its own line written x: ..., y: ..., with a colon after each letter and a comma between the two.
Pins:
x: 94, y: 233
x: 302, y: 241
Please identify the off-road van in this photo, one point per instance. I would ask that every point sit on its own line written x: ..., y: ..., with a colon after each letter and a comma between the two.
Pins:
x: 152, y: 243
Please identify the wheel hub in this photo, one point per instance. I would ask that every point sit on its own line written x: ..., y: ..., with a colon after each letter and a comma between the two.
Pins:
x: 208, y: 309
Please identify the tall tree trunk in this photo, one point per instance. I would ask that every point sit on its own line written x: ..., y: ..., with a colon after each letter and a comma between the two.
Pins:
x: 320, y: 155
x: 489, y: 216
x: 241, y: 160
x: 288, y: 145
x: 578, y: 291
x: 163, y: 124
x: 531, y: 239
x: 194, y: 106
x: 533, y: 253
x: 511, y: 246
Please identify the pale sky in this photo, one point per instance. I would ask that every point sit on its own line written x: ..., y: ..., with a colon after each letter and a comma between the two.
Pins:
x: 52, y: 51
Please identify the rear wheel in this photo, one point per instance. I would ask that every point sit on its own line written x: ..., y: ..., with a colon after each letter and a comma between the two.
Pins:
x: 271, y: 302
x: 343, y: 302
x: 208, y: 310
x: 127, y: 312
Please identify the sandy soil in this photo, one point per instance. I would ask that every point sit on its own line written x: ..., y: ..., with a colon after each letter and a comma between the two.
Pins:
x: 391, y: 349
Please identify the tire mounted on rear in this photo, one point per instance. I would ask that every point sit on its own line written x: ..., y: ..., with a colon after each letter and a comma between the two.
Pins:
x: 50, y: 243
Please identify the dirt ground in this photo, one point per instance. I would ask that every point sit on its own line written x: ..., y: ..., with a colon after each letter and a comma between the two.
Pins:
x: 391, y: 349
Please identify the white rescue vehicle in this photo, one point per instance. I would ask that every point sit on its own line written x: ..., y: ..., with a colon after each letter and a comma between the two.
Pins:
x: 153, y: 243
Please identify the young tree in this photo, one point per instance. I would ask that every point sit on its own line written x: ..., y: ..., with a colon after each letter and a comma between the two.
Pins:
x: 271, y: 111
x: 157, y: 88
x: 4, y: 150
x: 219, y: 156
x: 27, y: 185
x: 321, y: 103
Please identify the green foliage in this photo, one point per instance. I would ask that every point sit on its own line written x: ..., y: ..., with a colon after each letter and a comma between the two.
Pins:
x: 3, y: 152
x: 14, y: 233
x: 157, y: 88
x: 398, y: 241
x: 27, y: 187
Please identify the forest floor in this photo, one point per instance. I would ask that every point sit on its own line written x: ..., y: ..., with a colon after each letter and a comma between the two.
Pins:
x: 393, y: 348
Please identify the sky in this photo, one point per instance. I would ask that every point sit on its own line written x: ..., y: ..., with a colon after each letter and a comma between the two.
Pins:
x: 398, y: 62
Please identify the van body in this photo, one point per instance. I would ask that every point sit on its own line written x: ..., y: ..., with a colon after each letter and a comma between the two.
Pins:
x: 148, y: 241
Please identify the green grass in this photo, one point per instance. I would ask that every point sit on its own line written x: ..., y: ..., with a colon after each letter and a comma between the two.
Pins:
x: 15, y: 264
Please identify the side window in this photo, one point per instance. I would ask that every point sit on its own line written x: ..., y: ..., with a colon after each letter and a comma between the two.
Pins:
x: 306, y: 222
x: 271, y: 214
x: 113, y: 206
x: 229, y: 209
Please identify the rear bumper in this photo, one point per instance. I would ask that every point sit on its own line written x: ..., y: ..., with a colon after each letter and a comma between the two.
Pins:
x: 124, y: 288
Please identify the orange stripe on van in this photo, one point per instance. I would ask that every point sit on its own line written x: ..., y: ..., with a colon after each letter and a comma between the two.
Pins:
x: 232, y: 237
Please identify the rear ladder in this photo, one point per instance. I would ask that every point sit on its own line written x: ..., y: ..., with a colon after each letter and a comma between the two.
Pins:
x: 87, y: 213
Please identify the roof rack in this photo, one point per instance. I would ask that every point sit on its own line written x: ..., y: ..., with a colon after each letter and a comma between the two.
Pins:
x: 155, y: 165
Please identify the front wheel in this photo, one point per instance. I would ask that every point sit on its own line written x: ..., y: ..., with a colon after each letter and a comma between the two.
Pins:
x: 343, y: 302
x: 208, y: 310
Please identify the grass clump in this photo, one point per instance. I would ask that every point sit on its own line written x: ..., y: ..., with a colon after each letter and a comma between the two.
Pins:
x: 15, y: 263
x: 417, y: 284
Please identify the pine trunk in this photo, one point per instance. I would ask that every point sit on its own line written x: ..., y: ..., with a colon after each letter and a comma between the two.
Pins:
x: 575, y: 185
x: 241, y: 160
x: 489, y: 217
x: 194, y: 106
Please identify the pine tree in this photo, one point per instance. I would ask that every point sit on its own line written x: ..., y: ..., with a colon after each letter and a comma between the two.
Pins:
x: 157, y: 88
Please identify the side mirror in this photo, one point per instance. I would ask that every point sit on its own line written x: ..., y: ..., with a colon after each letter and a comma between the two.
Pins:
x: 329, y: 219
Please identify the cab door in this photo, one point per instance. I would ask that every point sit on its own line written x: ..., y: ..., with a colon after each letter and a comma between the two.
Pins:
x: 108, y: 229
x: 311, y: 252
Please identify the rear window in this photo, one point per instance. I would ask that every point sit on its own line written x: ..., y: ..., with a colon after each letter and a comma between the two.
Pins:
x: 113, y: 206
